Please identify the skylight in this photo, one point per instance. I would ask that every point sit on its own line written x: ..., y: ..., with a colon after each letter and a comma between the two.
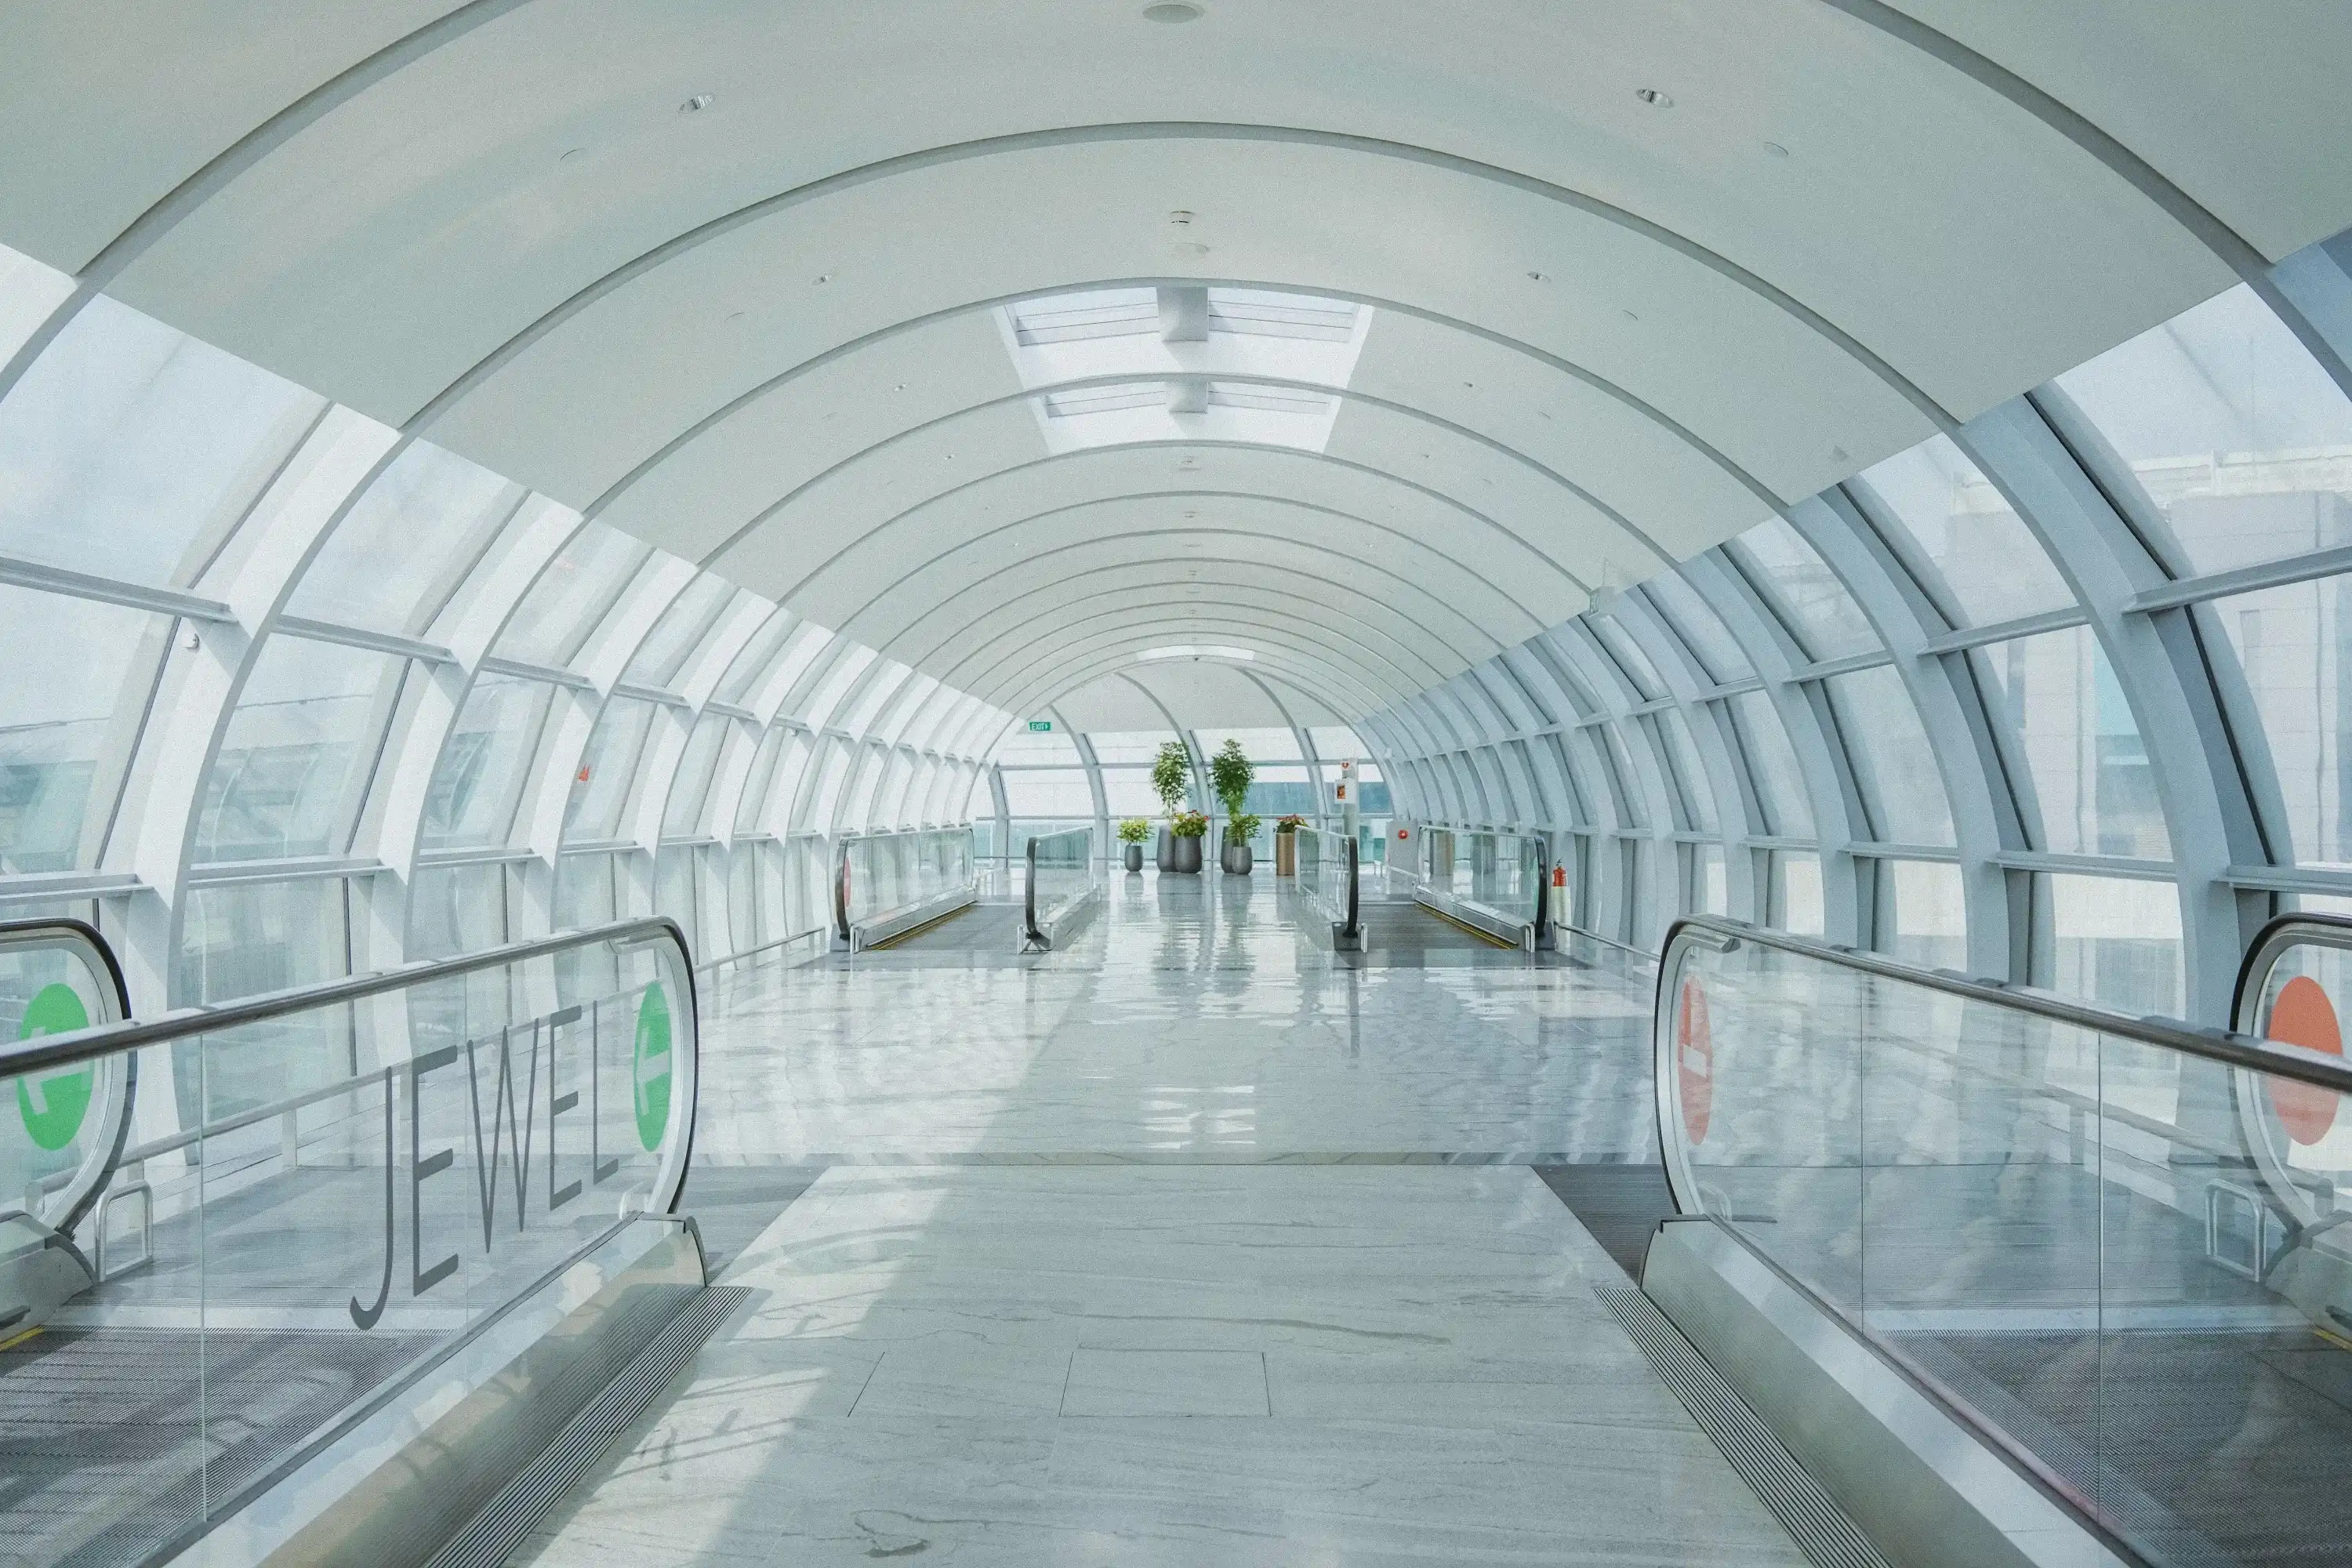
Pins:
x: 1185, y: 363
x: 1197, y: 650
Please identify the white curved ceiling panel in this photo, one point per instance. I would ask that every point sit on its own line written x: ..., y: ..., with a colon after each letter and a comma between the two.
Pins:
x: 2227, y: 101
x: 742, y: 279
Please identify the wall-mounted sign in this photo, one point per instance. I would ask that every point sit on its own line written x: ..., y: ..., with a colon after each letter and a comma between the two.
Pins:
x: 1041, y: 726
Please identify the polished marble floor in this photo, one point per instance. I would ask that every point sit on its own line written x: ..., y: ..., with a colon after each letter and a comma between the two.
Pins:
x: 1187, y: 1244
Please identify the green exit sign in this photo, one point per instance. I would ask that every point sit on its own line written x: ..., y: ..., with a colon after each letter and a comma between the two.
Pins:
x: 1041, y: 726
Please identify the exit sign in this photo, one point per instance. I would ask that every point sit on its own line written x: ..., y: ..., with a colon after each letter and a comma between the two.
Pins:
x: 1041, y: 726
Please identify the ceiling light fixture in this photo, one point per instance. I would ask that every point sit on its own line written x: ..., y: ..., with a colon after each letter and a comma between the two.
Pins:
x: 822, y: 278
x: 1538, y: 277
x: 1171, y: 12
x: 1654, y: 97
x: 697, y: 104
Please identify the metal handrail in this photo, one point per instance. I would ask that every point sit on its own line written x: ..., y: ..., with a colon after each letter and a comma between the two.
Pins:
x: 1030, y: 929
x: 2263, y: 954
x: 185, y: 1023
x: 2222, y: 1046
x: 841, y: 885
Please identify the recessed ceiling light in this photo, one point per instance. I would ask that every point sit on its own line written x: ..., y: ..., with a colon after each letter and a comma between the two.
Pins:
x: 822, y: 278
x: 1538, y: 277
x: 1181, y: 218
x: 1654, y: 97
x: 697, y: 104
x: 900, y: 387
x: 1171, y: 12
x: 1776, y: 149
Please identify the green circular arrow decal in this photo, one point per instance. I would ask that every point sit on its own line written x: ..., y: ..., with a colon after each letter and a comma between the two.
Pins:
x: 53, y: 1106
x: 649, y: 1068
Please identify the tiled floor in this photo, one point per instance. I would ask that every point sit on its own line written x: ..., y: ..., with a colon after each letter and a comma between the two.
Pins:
x: 1181, y: 1245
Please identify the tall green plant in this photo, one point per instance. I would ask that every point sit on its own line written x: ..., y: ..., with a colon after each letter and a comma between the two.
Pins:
x: 1230, y: 773
x: 1171, y: 775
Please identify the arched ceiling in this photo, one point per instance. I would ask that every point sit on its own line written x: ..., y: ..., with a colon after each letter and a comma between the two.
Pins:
x: 749, y: 280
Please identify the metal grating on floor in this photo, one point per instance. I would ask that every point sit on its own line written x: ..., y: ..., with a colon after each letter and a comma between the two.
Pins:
x: 509, y: 1519
x: 1819, y: 1526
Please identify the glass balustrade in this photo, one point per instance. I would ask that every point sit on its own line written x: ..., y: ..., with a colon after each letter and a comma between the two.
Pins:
x: 1328, y: 876
x: 1061, y: 876
x: 887, y: 877
x: 324, y: 1194
x: 1493, y: 879
x: 2112, y: 1245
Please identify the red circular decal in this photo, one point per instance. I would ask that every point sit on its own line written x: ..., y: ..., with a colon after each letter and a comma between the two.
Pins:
x: 1694, y: 1061
x: 2304, y: 1017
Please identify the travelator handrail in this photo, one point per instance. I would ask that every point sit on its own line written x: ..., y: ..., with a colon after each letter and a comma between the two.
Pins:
x: 1347, y: 910
x: 1813, y: 1154
x: 85, y: 1183
x: 1536, y: 923
x: 845, y: 854
x: 1032, y: 928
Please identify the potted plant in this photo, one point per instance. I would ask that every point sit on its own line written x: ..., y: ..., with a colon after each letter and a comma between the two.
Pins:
x: 1230, y: 773
x: 1184, y: 833
x: 1172, y: 774
x: 1286, y: 843
x: 1132, y: 832
x: 1239, y: 831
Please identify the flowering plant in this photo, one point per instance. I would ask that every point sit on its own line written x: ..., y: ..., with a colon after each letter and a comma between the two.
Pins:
x: 1189, y: 824
x: 1290, y: 821
x: 1134, y: 830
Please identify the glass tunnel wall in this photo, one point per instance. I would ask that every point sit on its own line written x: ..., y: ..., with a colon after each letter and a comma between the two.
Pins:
x: 288, y: 697
x: 2060, y: 696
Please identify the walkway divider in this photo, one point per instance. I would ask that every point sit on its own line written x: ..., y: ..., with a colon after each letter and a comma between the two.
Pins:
x: 1061, y: 888
x: 1491, y: 882
x: 1330, y: 877
x: 888, y: 884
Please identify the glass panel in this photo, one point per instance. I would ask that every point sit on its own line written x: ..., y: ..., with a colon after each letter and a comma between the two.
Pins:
x: 765, y: 792
x: 295, y: 762
x: 54, y: 1149
x: 387, y: 564
x: 2293, y: 644
x: 600, y: 790
x: 2092, y: 791
x: 1892, y: 761
x: 1700, y: 627
x: 1797, y: 892
x: 1692, y: 776
x: 1335, y: 743
x: 585, y: 894
x: 888, y: 874
x: 1064, y: 872
x: 753, y: 662
x: 2232, y: 430
x: 1628, y: 658
x: 680, y: 631
x: 71, y: 665
x: 247, y: 938
x: 1824, y: 617
x: 1258, y: 745
x: 684, y: 813
x: 128, y: 448
x: 1499, y: 874
x: 1929, y: 921
x: 479, y: 774
x: 1048, y: 793
x: 1039, y: 748
x: 1127, y: 792
x: 1992, y: 567
x: 457, y: 908
x: 569, y: 597
x: 2116, y: 940
x: 1113, y: 746
x: 1772, y: 766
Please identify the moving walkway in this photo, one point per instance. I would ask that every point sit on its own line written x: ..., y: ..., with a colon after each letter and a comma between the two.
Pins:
x: 2019, y: 1280
x: 403, y: 1242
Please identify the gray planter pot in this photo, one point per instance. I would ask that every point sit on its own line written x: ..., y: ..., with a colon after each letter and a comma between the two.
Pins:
x: 1134, y: 857
x: 1237, y: 859
x: 1188, y: 856
x: 1167, y: 850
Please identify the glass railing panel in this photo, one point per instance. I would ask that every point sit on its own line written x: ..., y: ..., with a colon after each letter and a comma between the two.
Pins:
x: 441, y: 1143
x: 2114, y: 1246
x: 1500, y: 873
x: 1061, y: 871
x: 1327, y: 875
x: 882, y: 874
